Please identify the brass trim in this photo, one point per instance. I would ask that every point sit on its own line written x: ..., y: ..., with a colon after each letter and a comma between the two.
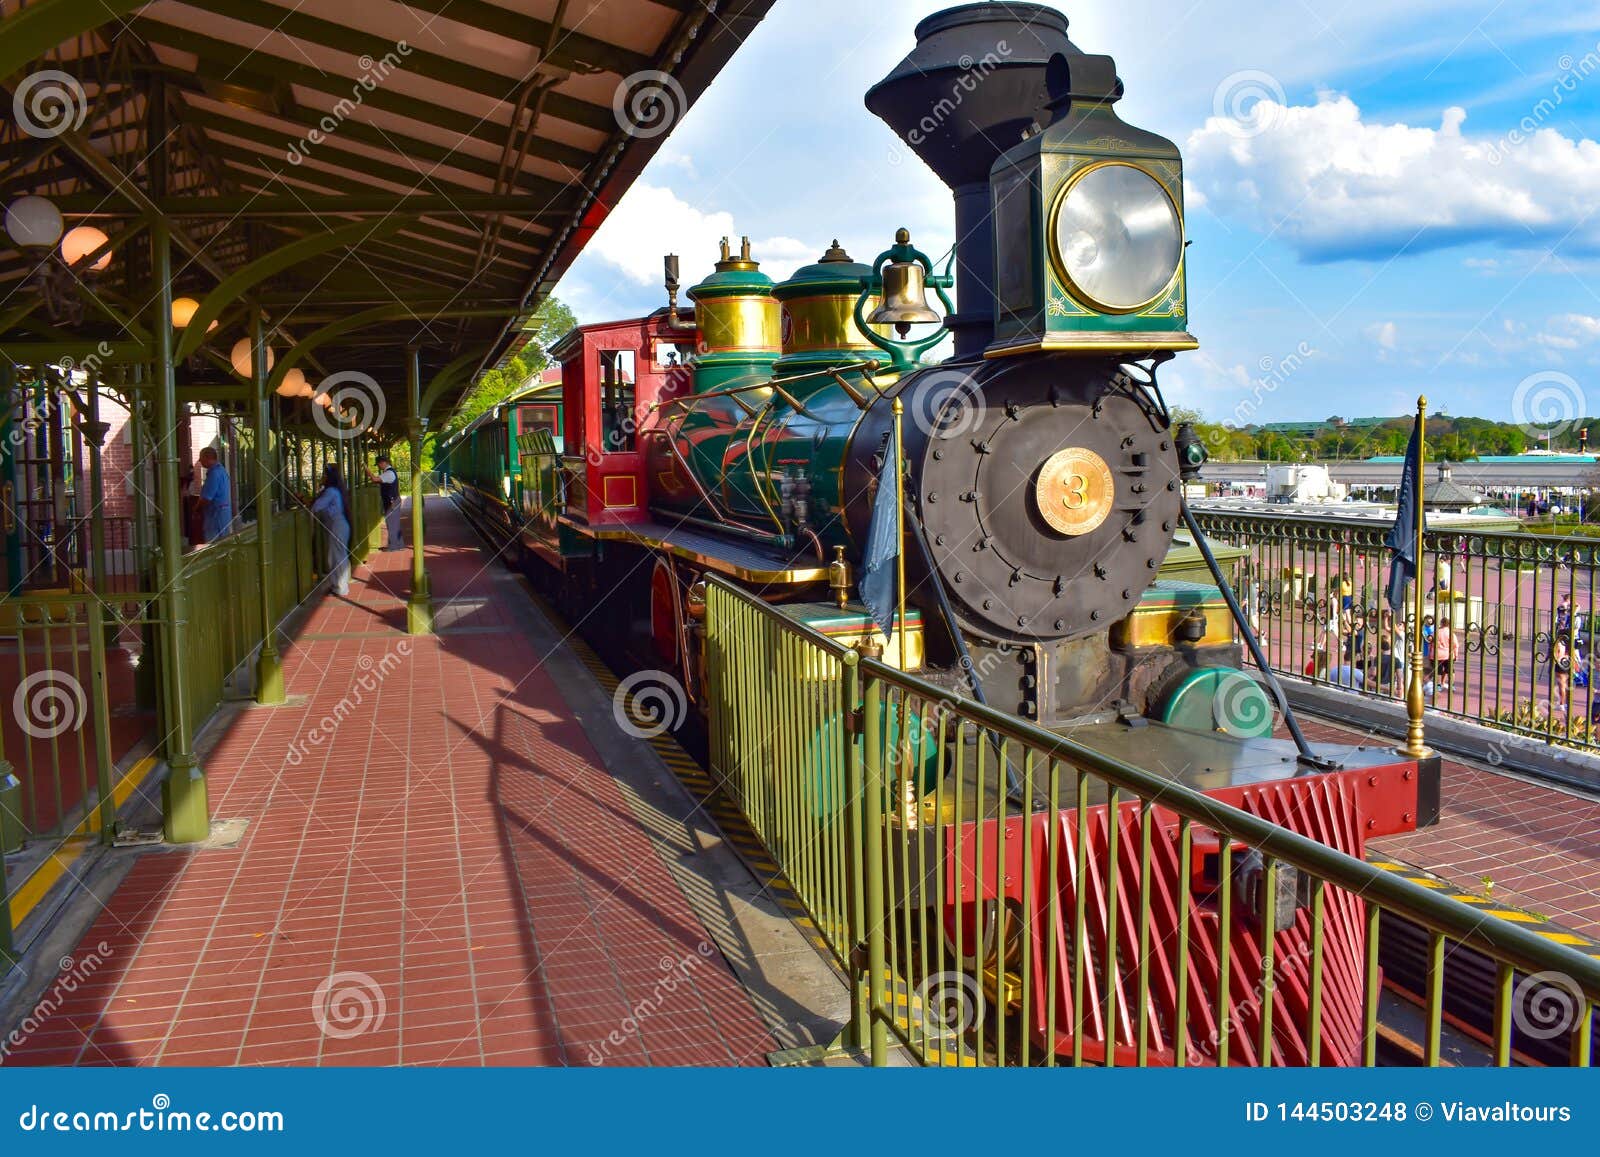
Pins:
x: 1098, y: 344
x: 1059, y: 266
x: 1154, y: 626
x: 1075, y: 491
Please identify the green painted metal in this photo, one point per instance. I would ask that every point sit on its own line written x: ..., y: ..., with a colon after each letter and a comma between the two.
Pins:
x: 447, y: 377
x: 269, y: 668
x: 10, y: 525
x: 34, y: 353
x: 903, y: 353
x: 419, y: 606
x: 1219, y: 699
x: 186, y: 811
x: 877, y: 896
x: 100, y: 692
x: 303, y: 348
x: 236, y: 284
x: 1434, y: 1029
x: 34, y: 30
x: 13, y: 828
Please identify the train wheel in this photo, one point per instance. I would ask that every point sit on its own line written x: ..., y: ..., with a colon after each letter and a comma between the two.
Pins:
x: 666, y: 615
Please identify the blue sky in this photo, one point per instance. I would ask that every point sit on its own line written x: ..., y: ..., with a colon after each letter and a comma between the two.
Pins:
x: 1389, y: 198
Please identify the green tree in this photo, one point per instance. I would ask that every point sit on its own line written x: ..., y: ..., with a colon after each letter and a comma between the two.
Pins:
x: 549, y: 324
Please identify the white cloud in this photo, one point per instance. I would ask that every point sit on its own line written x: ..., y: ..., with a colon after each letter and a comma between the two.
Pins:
x: 652, y: 220
x: 1568, y: 331
x: 1384, y: 334
x: 1336, y: 186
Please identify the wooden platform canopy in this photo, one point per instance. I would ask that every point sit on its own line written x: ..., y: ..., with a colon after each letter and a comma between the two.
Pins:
x: 420, y: 173
x: 235, y: 204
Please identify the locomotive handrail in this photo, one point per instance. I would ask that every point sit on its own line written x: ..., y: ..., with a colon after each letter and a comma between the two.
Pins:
x: 784, y: 763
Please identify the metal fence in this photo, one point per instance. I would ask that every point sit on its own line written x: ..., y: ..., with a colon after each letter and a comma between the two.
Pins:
x: 1508, y: 628
x: 1000, y: 895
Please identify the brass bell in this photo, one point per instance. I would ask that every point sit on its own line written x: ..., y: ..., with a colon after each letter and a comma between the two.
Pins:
x: 905, y: 293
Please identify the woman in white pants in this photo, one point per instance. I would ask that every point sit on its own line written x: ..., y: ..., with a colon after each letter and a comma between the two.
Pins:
x: 331, y: 507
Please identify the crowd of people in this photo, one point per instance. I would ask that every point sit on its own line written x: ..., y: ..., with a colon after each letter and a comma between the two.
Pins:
x: 1343, y: 654
x: 208, y: 510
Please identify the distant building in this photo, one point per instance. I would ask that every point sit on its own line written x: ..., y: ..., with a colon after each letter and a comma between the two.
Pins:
x: 1447, y: 494
x: 1303, y: 483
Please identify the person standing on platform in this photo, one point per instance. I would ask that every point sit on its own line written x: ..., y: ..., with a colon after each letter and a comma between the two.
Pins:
x: 389, y: 493
x: 216, y: 498
x: 331, y: 508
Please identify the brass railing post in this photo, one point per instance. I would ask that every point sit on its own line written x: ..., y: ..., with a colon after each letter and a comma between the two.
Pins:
x: 873, y: 816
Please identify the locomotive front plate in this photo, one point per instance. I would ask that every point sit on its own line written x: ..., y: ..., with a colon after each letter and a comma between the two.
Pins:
x: 1075, y: 490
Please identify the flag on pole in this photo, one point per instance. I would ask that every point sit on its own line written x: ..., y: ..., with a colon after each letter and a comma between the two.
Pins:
x: 883, y: 544
x: 1402, y: 536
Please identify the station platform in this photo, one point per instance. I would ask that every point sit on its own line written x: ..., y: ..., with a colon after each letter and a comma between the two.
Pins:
x: 1503, y: 838
x: 442, y: 850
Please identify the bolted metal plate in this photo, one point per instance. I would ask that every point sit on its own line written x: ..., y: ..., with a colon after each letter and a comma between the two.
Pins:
x: 1050, y: 497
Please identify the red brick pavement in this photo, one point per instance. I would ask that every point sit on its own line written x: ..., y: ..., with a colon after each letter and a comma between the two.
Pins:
x: 451, y: 878
x: 1538, y: 846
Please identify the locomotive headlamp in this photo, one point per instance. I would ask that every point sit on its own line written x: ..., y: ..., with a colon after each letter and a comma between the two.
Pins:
x: 1117, y: 237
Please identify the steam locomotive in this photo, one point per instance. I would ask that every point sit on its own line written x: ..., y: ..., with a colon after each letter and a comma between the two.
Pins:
x: 1043, y: 474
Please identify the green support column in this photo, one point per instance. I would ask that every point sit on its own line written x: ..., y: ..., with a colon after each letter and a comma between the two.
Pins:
x: 94, y: 437
x: 269, y: 668
x: 185, y: 810
x: 419, y: 611
x: 10, y: 526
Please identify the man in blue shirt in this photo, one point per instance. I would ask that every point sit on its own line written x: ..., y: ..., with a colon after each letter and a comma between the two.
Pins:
x: 216, y: 496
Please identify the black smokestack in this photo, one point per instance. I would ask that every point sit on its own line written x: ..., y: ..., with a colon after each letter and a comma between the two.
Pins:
x: 964, y: 95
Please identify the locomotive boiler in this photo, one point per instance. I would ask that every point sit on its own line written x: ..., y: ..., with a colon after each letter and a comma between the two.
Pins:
x: 1043, y: 475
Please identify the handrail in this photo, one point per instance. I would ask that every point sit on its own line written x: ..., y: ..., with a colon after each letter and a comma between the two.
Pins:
x: 1413, y: 901
x: 796, y: 753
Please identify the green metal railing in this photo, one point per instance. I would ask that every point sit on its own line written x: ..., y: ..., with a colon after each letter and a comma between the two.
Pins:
x: 1516, y: 614
x: 55, y: 741
x: 910, y: 822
